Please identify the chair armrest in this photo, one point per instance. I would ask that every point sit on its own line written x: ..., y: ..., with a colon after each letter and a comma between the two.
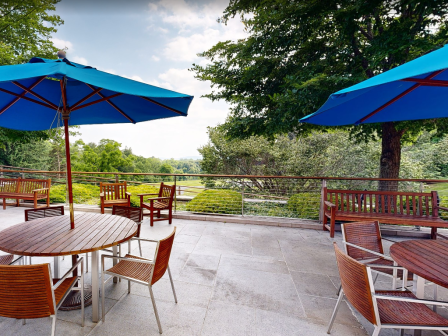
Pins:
x: 441, y: 208
x: 393, y: 241
x: 367, y: 250
x: 386, y: 266
x: 331, y: 205
x: 146, y: 194
x: 101, y: 194
x: 128, y: 193
x: 144, y: 239
x: 158, y: 198
x: 407, y: 299
x: 70, y: 271
x: 41, y: 189
x: 138, y: 259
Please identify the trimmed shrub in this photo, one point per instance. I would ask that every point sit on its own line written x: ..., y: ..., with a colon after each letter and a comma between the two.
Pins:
x: 305, y: 205
x: 216, y: 201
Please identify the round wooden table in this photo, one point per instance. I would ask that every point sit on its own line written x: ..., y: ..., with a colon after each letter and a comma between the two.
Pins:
x: 427, y: 259
x: 52, y: 237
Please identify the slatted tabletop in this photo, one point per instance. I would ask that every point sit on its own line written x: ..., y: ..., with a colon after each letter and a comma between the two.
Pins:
x: 51, y: 236
x: 425, y: 258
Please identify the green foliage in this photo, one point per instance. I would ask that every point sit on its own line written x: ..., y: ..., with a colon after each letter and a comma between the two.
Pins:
x: 305, y: 205
x: 216, y: 201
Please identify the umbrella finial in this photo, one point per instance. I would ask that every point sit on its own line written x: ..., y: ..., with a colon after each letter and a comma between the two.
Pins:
x: 61, y: 54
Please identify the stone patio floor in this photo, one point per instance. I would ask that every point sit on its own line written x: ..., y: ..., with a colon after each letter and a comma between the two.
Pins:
x: 231, y: 279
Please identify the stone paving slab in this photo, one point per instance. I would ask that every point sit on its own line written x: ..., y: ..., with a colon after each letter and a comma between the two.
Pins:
x: 231, y: 279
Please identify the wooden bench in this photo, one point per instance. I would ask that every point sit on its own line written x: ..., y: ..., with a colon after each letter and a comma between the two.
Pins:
x: 387, y: 207
x: 25, y: 189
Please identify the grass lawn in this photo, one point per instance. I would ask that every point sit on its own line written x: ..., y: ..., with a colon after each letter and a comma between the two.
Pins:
x: 441, y: 188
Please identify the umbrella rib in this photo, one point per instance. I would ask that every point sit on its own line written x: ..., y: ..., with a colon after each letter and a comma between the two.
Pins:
x: 401, y: 95
x: 26, y: 98
x: 113, y: 105
x: 86, y: 97
x: 427, y: 82
x: 97, y: 101
x: 22, y: 94
x: 161, y: 105
x: 27, y: 90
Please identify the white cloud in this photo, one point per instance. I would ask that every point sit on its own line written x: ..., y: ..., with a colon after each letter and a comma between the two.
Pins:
x: 80, y: 60
x: 155, y: 58
x: 61, y: 44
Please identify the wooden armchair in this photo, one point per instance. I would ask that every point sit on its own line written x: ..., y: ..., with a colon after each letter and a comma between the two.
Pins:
x: 164, y: 201
x: 114, y: 194
x: 28, y: 292
x: 395, y: 309
x: 363, y: 242
x: 142, y: 271
x: 31, y: 214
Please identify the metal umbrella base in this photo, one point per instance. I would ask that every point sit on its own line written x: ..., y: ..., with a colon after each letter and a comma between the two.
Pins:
x: 73, y: 300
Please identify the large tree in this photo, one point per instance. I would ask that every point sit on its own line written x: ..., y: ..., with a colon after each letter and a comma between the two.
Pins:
x: 25, y: 31
x: 300, y: 51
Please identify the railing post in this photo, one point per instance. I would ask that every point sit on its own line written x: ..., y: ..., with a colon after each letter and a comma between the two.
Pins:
x: 23, y: 175
x: 175, y: 196
x: 1, y: 172
x: 116, y: 178
x: 322, y: 204
x: 242, y: 199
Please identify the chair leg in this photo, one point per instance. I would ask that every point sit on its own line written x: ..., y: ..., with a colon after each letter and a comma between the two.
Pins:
x: 83, y: 315
x: 151, y: 215
x: 335, y: 311
x: 103, y: 308
x: 376, y: 332
x: 53, y: 325
x: 339, y: 290
x: 170, y: 215
x: 23, y: 321
x: 155, y: 309
x: 172, y: 284
x: 87, y: 262
x: 4, y: 204
x: 401, y: 332
x: 158, y: 214
x: 436, y: 294
x: 140, y: 248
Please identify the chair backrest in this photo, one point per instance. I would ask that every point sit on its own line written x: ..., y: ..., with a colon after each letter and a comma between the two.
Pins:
x: 167, y: 191
x: 135, y: 214
x: 26, y: 291
x: 163, y: 256
x: 364, y: 234
x: 26, y: 186
x: 113, y: 191
x: 355, y: 284
x: 53, y: 211
x: 9, y: 185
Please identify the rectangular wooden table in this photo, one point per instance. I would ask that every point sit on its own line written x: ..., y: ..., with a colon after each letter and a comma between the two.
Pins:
x: 52, y: 237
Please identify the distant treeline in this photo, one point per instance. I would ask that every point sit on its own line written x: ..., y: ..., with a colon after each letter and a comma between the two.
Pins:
x: 105, y: 156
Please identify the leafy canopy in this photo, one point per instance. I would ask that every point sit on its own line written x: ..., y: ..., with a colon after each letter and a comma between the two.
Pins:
x: 299, y: 52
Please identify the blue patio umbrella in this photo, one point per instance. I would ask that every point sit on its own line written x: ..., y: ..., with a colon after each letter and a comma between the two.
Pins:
x: 415, y: 90
x: 35, y: 95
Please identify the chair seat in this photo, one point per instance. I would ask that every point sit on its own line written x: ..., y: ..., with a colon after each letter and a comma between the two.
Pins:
x: 157, y: 205
x: 117, y: 201
x: 407, y: 313
x: 63, y: 287
x: 131, y: 269
x: 6, y: 259
x: 389, y: 271
x: 21, y: 195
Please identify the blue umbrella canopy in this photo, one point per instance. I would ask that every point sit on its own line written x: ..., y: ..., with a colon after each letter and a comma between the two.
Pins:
x: 32, y: 93
x: 415, y: 90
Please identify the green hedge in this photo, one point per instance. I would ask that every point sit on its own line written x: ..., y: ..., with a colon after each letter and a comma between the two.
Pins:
x: 216, y: 201
x: 90, y: 194
x: 305, y: 205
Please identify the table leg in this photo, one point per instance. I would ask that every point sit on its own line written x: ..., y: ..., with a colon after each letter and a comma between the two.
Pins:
x: 115, y: 261
x: 95, y: 286
x: 56, y: 268
x: 419, y: 291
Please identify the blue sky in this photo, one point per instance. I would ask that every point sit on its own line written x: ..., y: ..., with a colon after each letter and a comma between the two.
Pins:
x: 156, y: 42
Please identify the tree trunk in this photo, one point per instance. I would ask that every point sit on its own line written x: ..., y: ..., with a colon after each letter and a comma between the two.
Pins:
x: 390, y: 156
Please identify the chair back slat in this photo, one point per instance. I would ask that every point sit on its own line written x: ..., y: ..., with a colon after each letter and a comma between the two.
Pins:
x: 364, y: 234
x: 167, y: 191
x: 355, y: 284
x: 163, y: 257
x: 113, y: 191
x: 25, y: 291
x: 53, y: 211
x: 135, y: 214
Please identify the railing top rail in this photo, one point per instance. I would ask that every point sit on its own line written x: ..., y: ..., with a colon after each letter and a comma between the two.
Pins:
x: 234, y: 176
